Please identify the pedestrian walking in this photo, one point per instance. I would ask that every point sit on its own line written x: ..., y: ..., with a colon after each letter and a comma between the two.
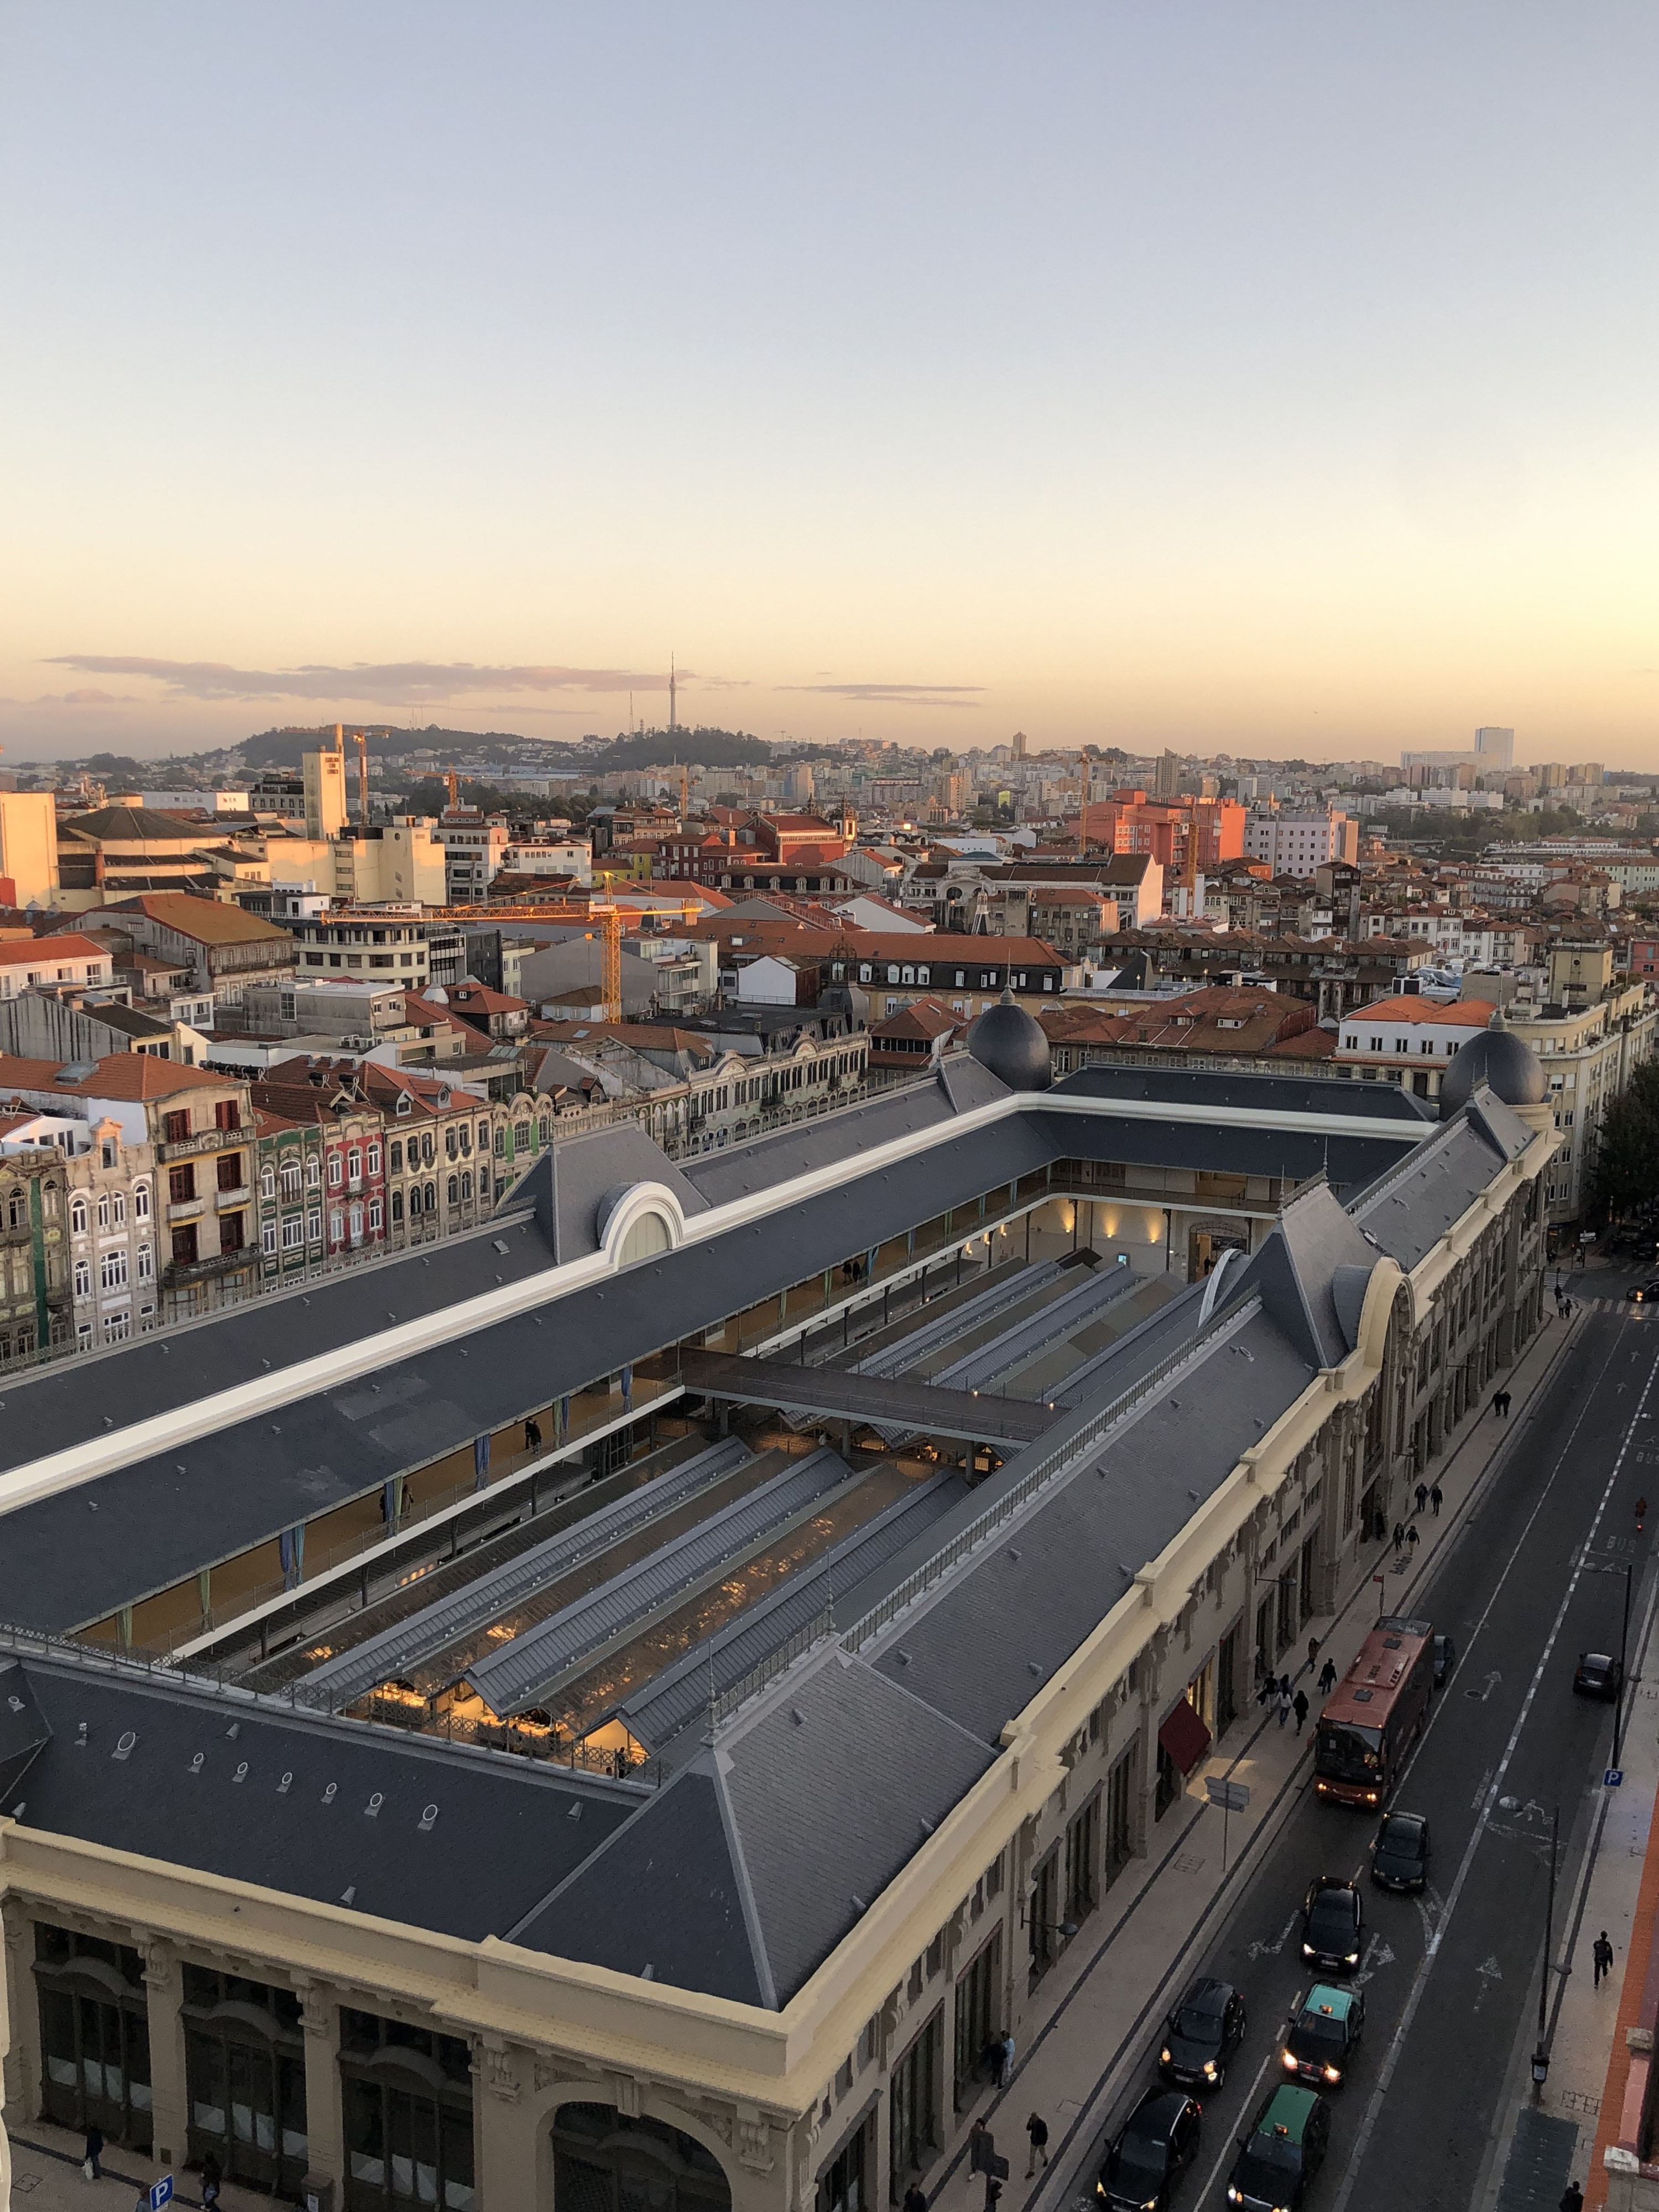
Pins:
x: 1313, y: 1651
x: 1283, y: 1704
x: 1399, y: 1538
x: 1572, y: 2198
x: 1265, y: 1686
x: 93, y: 2152
x: 1506, y: 1401
x: 1299, y: 1707
x: 981, y: 2147
x: 1421, y: 1494
x: 1601, y: 1953
x: 1007, y: 2074
x: 915, y: 2198
x: 1038, y: 2128
x: 1328, y: 1678
x: 1497, y: 1402
x: 1413, y: 1539
x: 212, y: 2175
x: 532, y: 1435
x: 1436, y: 1499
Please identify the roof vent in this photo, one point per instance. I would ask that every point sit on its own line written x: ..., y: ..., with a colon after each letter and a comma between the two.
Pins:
x: 574, y: 1814
x: 428, y: 1821
x: 124, y: 1748
x: 349, y: 1892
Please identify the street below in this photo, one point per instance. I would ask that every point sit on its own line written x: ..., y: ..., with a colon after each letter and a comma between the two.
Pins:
x: 1451, y: 1977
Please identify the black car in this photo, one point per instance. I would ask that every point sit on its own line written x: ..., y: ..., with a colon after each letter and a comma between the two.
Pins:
x: 1202, y: 2033
x: 1445, y: 1658
x: 1284, y: 2150
x: 1400, y: 1856
x: 1598, y: 1675
x: 1332, y: 1925
x: 1151, y: 2152
x: 1643, y: 1294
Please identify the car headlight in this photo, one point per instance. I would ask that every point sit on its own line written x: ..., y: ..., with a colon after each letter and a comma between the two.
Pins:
x: 1209, y: 2070
x: 1307, y: 1950
x: 1233, y: 2196
x: 1352, y: 1958
x: 1163, y: 2055
x: 1332, y: 2073
x: 1290, y: 2061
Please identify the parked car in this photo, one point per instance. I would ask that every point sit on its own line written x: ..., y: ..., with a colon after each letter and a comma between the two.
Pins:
x: 1598, y: 1675
x: 1283, y: 2151
x: 1400, y: 1856
x: 1445, y: 1658
x: 1332, y: 1925
x: 1201, y: 2034
x: 1323, y: 2031
x: 1151, y: 2152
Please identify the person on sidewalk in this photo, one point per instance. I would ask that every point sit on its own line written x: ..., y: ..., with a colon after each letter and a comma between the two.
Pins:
x: 1436, y: 1499
x: 915, y: 2198
x: 1283, y: 1704
x: 1038, y: 2128
x: 981, y: 2145
x: 1007, y: 2074
x: 1399, y: 1538
x: 1313, y: 1651
x: 1413, y: 1539
x: 1572, y: 2198
x: 1421, y: 1494
x: 1299, y: 1707
x: 92, y: 2153
x: 1601, y: 1953
x: 1327, y: 1677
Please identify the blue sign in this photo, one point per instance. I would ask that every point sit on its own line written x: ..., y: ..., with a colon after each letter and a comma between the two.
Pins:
x: 161, y: 2192
x: 1613, y: 1777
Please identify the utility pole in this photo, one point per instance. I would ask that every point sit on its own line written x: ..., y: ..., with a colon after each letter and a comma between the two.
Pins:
x: 1540, y: 2058
x: 1618, y: 1702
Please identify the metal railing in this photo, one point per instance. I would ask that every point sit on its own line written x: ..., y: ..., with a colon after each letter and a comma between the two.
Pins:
x: 822, y: 1625
x: 1054, y: 1461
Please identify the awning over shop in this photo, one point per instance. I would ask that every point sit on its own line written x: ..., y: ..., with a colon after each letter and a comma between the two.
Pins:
x: 1185, y: 1737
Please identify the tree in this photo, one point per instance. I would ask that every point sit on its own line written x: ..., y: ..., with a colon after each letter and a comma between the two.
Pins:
x: 1624, y: 1177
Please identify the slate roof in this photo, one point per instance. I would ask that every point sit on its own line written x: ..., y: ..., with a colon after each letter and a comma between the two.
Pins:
x: 315, y: 1835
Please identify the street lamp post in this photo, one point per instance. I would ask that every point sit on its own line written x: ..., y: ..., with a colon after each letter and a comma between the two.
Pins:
x: 1541, y: 2058
x: 1618, y: 1702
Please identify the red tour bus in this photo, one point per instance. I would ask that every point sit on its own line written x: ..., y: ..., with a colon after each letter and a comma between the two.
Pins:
x: 1376, y: 1713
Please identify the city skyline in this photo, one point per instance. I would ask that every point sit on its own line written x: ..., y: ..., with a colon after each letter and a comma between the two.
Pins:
x: 1266, y: 384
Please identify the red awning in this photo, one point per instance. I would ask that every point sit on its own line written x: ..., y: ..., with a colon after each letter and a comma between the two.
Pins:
x: 1185, y: 1737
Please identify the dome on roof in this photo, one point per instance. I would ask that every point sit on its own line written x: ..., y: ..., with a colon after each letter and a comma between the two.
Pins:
x: 1498, y: 1058
x: 1011, y: 1043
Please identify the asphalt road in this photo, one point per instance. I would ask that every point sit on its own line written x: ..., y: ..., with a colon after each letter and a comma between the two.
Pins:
x: 1451, y: 1980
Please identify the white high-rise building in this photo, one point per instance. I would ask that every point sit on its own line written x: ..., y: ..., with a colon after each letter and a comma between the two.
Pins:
x: 1300, y: 843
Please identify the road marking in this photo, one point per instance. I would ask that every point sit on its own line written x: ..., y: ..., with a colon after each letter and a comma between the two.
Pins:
x: 1231, y: 2149
x: 1271, y: 1950
x: 1377, y: 1955
x: 1421, y: 1979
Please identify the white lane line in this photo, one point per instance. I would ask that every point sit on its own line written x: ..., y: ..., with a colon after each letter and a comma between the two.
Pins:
x: 1232, y: 2148
x: 1421, y: 1979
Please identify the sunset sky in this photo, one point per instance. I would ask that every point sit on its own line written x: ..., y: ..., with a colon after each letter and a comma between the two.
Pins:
x: 1279, y: 380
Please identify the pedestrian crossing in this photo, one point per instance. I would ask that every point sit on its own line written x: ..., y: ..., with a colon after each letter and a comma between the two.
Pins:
x: 1615, y: 1305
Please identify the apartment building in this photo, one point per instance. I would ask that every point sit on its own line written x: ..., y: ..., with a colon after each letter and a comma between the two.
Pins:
x: 69, y: 962
x: 1300, y: 843
x: 1407, y: 1040
x: 388, y: 941
x: 223, y: 949
x: 35, y: 1303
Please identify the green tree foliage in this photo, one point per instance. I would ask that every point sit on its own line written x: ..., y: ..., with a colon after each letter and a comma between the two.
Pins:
x: 1625, y: 1179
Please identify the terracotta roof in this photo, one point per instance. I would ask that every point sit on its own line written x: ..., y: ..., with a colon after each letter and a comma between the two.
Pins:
x: 1464, y: 1014
x: 128, y: 1075
x: 17, y: 952
x: 210, y: 921
x: 922, y: 1017
x: 132, y: 825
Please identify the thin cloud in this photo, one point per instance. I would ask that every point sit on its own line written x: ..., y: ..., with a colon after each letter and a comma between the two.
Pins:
x: 401, y: 682
x: 898, y: 695
x: 89, y: 696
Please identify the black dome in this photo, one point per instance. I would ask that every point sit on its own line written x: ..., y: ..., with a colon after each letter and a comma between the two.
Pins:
x: 1498, y: 1058
x: 1007, y: 1040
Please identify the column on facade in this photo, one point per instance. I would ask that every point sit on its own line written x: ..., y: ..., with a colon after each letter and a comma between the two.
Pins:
x: 20, y: 2055
x: 164, y: 1989
x: 506, y: 2132
x: 319, y: 2008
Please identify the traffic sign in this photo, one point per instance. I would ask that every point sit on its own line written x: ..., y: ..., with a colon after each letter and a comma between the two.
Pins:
x: 161, y: 2192
x: 1613, y: 1777
x: 1231, y: 1796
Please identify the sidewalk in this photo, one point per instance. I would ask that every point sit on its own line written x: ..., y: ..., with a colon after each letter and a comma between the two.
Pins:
x: 1127, y: 1965
x: 47, y: 2177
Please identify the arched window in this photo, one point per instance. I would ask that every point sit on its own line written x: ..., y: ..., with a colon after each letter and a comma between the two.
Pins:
x: 141, y: 1200
x: 431, y: 1198
x: 78, y: 1217
x: 454, y: 1190
x: 606, y: 2163
x: 314, y: 1172
x: 84, y: 1279
x: 466, y: 1183
x: 397, y: 1207
x: 414, y: 1200
x: 103, y: 1209
x: 267, y: 1182
x: 117, y: 1200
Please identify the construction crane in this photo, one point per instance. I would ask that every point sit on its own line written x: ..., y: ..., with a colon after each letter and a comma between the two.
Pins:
x: 609, y: 918
x: 452, y: 786
x: 360, y: 739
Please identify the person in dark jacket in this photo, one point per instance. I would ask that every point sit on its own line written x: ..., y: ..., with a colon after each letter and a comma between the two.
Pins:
x: 93, y: 2152
x: 1328, y: 1678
